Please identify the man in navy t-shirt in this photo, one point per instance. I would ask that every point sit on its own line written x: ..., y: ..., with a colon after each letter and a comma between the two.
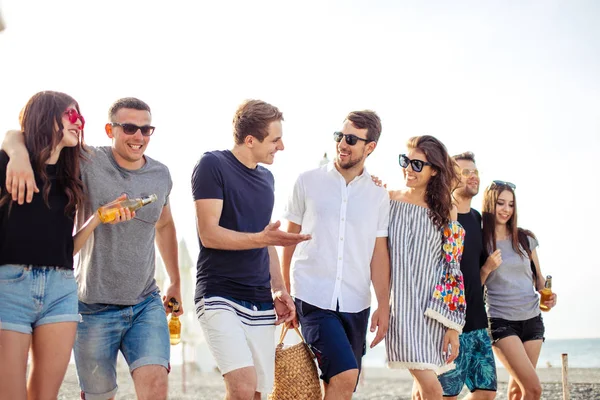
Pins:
x: 240, y: 293
x: 475, y: 365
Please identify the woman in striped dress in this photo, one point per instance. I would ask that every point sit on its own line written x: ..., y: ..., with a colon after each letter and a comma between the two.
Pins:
x: 418, y: 215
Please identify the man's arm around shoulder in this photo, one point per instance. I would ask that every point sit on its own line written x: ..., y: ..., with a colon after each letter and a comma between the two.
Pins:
x: 20, y: 181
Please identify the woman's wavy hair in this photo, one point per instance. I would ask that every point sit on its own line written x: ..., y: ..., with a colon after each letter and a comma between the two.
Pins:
x: 519, y: 237
x: 438, y: 194
x: 42, y: 127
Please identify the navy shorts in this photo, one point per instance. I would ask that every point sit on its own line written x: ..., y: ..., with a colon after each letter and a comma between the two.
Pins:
x: 475, y: 365
x: 338, y: 339
x: 529, y: 329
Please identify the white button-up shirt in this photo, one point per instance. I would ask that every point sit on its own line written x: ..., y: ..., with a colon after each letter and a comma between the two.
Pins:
x: 334, y: 267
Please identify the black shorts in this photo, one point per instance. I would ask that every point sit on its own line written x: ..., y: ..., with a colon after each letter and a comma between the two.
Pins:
x: 529, y: 329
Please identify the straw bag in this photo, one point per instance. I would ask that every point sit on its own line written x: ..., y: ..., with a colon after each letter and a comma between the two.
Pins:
x: 296, y: 376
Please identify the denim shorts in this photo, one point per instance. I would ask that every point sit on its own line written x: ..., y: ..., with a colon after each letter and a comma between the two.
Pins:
x: 140, y: 332
x: 529, y: 329
x: 34, y: 296
x: 475, y: 365
x: 338, y: 339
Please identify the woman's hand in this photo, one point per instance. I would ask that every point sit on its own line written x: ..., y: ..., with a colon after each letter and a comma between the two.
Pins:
x: 451, y: 345
x: 378, y: 181
x: 493, y: 261
x: 124, y: 214
x: 551, y: 302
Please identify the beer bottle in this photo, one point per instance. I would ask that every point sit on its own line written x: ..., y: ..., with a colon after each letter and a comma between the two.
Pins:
x: 546, y: 293
x: 108, y: 212
x: 174, y: 323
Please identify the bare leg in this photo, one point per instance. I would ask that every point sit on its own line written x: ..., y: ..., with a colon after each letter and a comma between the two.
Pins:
x: 428, y: 385
x: 341, y: 386
x: 241, y: 384
x: 479, y: 395
x: 532, y: 348
x: 14, y: 347
x: 415, y: 391
x: 151, y: 382
x: 51, y: 347
x: 513, y: 355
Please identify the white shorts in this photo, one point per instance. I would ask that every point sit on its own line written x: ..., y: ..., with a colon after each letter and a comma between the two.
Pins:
x: 239, y: 337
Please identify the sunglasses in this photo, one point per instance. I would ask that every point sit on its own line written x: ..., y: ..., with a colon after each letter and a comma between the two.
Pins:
x: 466, y: 172
x: 504, y: 183
x: 131, y: 129
x: 417, y: 165
x: 350, y: 139
x: 73, y: 115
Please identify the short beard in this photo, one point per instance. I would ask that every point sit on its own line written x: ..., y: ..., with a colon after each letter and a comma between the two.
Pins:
x: 351, y: 163
x: 465, y: 193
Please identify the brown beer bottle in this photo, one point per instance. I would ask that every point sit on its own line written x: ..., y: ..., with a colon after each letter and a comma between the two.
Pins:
x: 174, y: 323
x: 546, y: 293
x: 108, y: 212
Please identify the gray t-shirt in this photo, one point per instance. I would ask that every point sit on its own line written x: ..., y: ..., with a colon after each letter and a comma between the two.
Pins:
x: 117, y: 263
x: 510, y: 290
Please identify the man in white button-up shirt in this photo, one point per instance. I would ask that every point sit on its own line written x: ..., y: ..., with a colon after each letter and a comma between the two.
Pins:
x: 330, y: 275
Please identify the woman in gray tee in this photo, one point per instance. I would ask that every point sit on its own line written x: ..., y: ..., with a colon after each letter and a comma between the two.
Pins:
x: 512, y: 277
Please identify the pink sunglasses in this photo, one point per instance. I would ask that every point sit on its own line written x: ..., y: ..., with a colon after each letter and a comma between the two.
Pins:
x: 74, y: 115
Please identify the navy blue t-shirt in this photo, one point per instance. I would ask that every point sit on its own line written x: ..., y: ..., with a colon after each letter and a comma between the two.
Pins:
x: 248, y: 197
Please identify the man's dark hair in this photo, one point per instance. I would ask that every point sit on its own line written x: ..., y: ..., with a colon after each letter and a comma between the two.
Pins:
x: 366, y: 119
x: 466, y: 156
x: 127, y: 102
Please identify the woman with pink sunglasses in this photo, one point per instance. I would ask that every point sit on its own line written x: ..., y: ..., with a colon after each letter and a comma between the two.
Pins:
x: 38, y: 292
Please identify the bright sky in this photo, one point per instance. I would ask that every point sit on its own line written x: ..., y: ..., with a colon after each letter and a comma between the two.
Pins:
x: 515, y: 82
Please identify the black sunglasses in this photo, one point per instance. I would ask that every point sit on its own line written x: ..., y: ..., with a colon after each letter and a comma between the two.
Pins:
x: 350, y: 139
x: 504, y: 183
x: 417, y: 165
x: 131, y: 129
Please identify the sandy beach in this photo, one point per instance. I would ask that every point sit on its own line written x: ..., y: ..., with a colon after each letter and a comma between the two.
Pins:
x: 378, y: 384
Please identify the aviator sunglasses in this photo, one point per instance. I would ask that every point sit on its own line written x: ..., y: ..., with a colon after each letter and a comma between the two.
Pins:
x: 74, y: 115
x: 131, y: 129
x: 466, y: 172
x: 350, y: 139
x: 504, y: 183
x: 417, y: 165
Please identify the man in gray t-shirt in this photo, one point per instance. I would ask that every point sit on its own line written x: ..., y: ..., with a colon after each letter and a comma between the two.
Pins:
x: 120, y: 304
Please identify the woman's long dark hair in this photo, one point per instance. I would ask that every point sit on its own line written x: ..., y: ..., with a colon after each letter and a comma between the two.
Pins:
x: 42, y: 127
x: 439, y: 188
x: 519, y: 237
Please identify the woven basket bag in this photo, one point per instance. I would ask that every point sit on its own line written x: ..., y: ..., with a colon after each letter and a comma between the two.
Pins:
x: 296, y: 376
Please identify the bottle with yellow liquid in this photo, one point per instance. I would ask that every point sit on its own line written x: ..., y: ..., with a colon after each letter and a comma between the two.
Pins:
x: 174, y: 323
x: 108, y: 212
x: 546, y: 293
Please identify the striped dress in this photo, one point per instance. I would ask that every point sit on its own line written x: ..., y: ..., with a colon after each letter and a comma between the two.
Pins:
x: 414, y: 341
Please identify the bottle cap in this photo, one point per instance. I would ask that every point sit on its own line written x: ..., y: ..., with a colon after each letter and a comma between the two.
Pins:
x: 173, y: 303
x: 149, y: 199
